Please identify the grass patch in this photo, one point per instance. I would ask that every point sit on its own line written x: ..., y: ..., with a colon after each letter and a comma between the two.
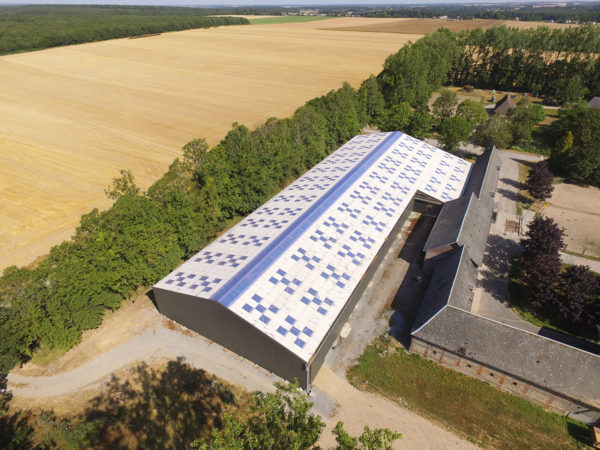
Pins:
x: 485, y: 414
x: 44, y: 355
x: 591, y: 258
x: 544, y: 316
x: 287, y: 19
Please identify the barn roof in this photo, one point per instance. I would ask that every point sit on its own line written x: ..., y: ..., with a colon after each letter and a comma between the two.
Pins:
x: 594, y: 103
x: 504, y: 105
x: 291, y: 266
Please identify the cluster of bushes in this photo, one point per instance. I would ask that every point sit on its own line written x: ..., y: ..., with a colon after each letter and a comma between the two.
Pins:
x: 554, y: 61
x: 26, y: 28
x: 572, y: 294
x: 143, y: 236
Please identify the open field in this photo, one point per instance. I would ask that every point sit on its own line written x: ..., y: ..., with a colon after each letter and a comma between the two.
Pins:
x: 422, y: 26
x: 72, y: 117
x: 577, y: 209
x: 285, y: 19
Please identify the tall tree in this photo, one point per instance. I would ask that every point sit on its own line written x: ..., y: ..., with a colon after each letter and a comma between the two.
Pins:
x: 371, y: 97
x: 539, y: 182
x: 473, y: 111
x: 124, y: 185
x: 445, y: 105
x: 495, y: 131
x: 454, y: 131
x: 578, y: 298
x: 398, y: 118
x: 541, y: 259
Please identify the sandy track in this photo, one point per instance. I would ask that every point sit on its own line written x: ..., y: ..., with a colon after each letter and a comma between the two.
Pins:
x: 71, y: 117
x: 157, y: 339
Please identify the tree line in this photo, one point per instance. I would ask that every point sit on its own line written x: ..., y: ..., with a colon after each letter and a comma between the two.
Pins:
x: 583, y: 13
x: 27, y: 28
x: 538, y: 60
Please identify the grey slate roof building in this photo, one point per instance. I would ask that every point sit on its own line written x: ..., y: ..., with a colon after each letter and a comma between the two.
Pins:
x: 536, y: 359
x: 594, y: 103
x: 466, y: 221
x: 564, y: 378
x: 504, y: 105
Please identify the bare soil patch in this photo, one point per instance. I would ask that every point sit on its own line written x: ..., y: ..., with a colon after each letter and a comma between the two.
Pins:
x: 72, y: 117
x: 577, y: 209
x: 131, y: 319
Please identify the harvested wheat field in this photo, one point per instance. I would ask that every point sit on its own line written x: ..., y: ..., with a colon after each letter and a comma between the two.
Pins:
x: 71, y: 117
x: 577, y: 210
x: 422, y: 26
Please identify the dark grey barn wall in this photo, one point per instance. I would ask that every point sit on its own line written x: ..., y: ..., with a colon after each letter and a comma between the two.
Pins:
x: 217, y: 323
x: 335, y: 330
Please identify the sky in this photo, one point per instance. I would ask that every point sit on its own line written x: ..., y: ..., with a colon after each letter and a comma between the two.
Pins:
x: 253, y: 2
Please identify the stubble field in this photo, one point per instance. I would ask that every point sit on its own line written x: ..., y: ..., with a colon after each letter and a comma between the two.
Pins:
x: 72, y: 117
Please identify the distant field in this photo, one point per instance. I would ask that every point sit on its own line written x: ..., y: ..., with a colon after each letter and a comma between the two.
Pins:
x: 72, y: 117
x: 422, y: 26
x: 286, y: 19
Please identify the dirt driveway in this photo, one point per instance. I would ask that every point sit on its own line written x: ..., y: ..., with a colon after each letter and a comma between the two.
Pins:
x: 577, y: 209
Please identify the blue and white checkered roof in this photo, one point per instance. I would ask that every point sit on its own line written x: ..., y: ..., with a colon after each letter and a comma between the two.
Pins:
x: 291, y: 266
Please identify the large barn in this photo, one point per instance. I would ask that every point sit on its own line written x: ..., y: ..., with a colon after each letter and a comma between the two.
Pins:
x: 278, y: 287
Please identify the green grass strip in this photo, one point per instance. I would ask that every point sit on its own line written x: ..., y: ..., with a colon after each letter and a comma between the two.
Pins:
x: 482, y: 413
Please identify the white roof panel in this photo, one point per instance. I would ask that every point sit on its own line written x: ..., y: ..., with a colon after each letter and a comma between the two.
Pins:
x: 291, y: 266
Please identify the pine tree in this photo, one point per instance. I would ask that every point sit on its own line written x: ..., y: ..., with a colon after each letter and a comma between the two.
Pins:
x: 539, y: 182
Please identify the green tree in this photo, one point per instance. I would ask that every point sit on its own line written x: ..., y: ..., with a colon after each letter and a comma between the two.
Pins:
x: 454, y: 131
x: 444, y: 106
x: 371, y: 97
x: 417, y: 70
x: 569, y: 92
x: 496, y: 131
x: 474, y: 112
x: 122, y: 186
x: 398, y: 118
x: 283, y: 421
x: 421, y: 124
x: 578, y: 159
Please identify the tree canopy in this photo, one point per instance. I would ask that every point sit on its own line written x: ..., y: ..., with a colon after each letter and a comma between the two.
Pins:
x: 283, y: 421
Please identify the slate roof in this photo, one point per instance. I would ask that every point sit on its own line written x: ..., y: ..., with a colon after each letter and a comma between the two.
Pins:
x: 484, y: 176
x: 594, y: 103
x: 537, y: 359
x: 466, y: 220
x: 504, y: 105
x: 463, y: 222
x: 448, y: 286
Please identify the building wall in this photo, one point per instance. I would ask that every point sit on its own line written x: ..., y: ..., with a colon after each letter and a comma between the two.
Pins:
x: 553, y: 401
x: 319, y: 357
x: 217, y: 323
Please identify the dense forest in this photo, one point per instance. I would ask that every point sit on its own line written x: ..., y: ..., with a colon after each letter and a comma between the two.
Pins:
x: 26, y: 28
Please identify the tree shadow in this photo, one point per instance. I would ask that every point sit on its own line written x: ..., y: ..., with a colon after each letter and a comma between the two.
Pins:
x: 494, y: 276
x: 165, y: 408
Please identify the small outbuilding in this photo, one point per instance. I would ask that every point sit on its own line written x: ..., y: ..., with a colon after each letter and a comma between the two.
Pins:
x: 594, y: 103
x: 504, y: 105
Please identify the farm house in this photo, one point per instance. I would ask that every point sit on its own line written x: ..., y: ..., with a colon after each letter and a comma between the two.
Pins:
x: 278, y: 287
